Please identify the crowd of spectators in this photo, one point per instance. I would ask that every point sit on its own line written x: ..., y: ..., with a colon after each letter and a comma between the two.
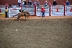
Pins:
x: 36, y: 2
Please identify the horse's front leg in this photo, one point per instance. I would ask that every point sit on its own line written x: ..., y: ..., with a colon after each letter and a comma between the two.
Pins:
x: 28, y: 15
x: 25, y: 17
x: 18, y: 17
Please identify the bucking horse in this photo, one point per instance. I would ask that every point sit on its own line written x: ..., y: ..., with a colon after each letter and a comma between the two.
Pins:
x: 22, y: 13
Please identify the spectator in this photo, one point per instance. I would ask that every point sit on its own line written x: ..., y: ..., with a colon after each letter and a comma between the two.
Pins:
x: 43, y: 11
x: 54, y: 2
x: 10, y: 6
x: 14, y: 6
x: 38, y: 3
x: 46, y: 3
x: 67, y: 2
x: 24, y: 2
x: 29, y: 2
x: 35, y: 2
x: 19, y: 3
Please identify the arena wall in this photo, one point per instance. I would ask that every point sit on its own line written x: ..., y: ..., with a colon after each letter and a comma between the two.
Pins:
x: 11, y: 2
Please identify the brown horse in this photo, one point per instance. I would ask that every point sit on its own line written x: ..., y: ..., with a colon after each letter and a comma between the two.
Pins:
x: 22, y: 13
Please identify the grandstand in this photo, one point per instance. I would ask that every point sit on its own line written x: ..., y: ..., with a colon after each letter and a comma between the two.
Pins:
x: 11, y: 2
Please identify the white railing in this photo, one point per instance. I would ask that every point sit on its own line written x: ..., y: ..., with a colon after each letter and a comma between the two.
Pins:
x: 50, y: 10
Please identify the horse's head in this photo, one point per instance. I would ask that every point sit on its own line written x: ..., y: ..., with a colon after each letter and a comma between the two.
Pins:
x: 21, y: 10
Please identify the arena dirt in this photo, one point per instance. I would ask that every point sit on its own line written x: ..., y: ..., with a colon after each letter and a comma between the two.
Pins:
x: 36, y: 33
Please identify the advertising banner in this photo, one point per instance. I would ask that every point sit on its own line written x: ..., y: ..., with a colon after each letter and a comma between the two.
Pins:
x: 2, y: 11
x: 57, y: 10
x: 13, y: 11
x: 68, y: 11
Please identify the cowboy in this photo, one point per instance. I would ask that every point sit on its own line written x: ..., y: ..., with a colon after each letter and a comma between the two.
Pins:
x: 6, y: 12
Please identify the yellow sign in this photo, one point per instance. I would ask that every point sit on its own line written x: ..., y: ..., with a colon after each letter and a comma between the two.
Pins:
x: 2, y: 14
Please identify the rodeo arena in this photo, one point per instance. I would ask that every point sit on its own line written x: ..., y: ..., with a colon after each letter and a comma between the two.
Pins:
x: 35, y: 25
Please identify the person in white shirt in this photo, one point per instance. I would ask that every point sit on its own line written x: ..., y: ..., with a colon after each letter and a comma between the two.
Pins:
x: 19, y: 2
x: 24, y: 1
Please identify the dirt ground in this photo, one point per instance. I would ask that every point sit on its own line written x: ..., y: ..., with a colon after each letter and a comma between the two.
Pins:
x: 36, y: 32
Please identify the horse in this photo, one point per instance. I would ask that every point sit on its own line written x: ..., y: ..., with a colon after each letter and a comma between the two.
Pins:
x: 22, y: 13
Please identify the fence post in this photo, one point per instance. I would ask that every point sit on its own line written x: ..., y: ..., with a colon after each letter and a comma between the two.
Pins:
x: 35, y: 10
x: 0, y: 10
x: 49, y: 9
x: 64, y: 10
x: 71, y: 9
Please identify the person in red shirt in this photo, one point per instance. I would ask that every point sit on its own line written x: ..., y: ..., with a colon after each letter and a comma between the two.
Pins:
x: 43, y: 11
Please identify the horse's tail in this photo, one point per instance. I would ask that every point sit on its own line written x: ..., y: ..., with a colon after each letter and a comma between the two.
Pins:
x: 15, y: 15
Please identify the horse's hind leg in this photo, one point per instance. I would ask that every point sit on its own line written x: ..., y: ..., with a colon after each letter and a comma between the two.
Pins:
x: 25, y: 16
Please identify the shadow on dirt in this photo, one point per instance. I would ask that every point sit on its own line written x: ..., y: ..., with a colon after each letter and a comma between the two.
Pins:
x: 20, y: 20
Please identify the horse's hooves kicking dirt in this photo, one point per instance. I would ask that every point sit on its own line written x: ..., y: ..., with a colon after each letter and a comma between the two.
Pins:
x: 15, y: 20
x: 25, y: 20
x: 21, y: 20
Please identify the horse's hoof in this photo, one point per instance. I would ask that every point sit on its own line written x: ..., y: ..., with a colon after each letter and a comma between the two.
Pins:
x: 18, y: 20
x: 25, y: 20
